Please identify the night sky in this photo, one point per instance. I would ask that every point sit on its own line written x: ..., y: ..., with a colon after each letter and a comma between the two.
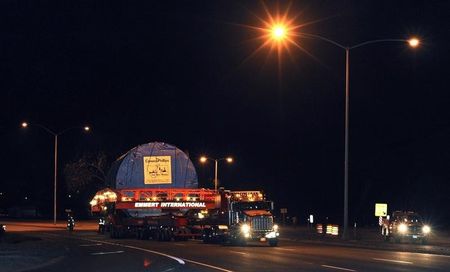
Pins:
x: 186, y: 73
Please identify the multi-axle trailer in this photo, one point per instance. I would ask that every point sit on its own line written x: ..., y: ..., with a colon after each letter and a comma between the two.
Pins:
x: 181, y: 213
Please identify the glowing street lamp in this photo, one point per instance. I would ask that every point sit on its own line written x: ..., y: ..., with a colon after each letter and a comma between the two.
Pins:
x: 414, y: 42
x: 281, y: 32
x: 203, y: 159
x: 55, y: 174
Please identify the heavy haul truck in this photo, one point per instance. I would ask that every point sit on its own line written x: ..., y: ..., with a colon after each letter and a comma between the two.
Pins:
x: 163, y: 204
x: 235, y: 217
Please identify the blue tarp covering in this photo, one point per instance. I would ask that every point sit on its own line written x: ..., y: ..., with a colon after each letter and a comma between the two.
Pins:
x: 153, y: 165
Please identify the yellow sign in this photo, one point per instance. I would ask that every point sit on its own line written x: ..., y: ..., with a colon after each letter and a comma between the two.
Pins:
x: 380, y: 209
x: 157, y: 170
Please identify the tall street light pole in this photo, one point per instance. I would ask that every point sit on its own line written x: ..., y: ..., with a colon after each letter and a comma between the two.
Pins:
x: 55, y: 173
x: 279, y: 33
x: 203, y: 159
x: 413, y: 43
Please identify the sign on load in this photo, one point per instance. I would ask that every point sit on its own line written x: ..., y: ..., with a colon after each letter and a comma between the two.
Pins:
x: 157, y: 170
x: 380, y: 209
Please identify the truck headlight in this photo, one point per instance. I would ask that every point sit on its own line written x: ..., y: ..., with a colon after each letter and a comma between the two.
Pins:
x: 245, y: 228
x: 426, y: 229
x: 275, y: 227
x: 403, y: 228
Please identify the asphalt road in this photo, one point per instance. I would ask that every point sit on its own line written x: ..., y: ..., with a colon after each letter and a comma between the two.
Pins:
x: 88, y: 251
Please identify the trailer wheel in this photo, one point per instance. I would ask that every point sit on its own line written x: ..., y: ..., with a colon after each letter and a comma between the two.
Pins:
x: 273, y: 242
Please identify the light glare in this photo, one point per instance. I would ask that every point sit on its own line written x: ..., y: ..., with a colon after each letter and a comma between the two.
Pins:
x: 414, y: 42
x: 279, y: 32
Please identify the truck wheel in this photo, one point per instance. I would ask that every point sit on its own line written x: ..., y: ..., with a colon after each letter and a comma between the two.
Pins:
x: 112, y: 233
x: 206, y: 236
x: 273, y: 242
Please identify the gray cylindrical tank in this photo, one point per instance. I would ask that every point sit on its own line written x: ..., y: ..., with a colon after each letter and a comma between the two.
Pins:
x: 153, y: 165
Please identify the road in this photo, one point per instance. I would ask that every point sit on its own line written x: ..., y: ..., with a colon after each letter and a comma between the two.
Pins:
x: 88, y: 251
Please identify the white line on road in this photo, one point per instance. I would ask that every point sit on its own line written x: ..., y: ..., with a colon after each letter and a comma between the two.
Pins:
x: 89, y: 245
x: 179, y: 260
x: 106, y: 253
x: 392, y: 261
x: 337, y: 267
x: 287, y: 249
x: 210, y: 266
x: 239, y: 252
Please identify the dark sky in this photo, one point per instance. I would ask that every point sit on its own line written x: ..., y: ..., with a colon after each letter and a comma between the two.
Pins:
x: 179, y: 72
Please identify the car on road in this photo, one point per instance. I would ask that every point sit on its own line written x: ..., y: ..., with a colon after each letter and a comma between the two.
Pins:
x: 405, y: 226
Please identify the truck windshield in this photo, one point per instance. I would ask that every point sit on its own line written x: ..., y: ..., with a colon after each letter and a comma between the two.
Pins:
x: 255, y: 205
x: 410, y: 218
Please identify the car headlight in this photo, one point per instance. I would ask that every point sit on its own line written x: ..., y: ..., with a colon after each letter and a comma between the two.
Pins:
x: 426, y: 229
x: 275, y: 227
x: 402, y: 228
x: 245, y: 228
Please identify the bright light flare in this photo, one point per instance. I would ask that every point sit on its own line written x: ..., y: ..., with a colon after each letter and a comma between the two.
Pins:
x: 203, y: 159
x: 414, y: 42
x: 86, y: 128
x: 24, y: 124
x: 279, y: 32
x: 229, y: 159
x: 402, y: 228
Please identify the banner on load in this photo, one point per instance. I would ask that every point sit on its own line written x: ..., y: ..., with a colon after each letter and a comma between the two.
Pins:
x: 170, y: 205
x: 380, y: 209
x: 157, y: 170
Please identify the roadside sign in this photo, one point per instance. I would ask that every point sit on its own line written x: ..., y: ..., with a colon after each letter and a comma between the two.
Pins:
x: 283, y: 210
x: 311, y: 219
x: 380, y: 221
x: 380, y: 209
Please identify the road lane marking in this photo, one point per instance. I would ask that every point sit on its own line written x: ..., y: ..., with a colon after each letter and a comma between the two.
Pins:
x: 287, y: 249
x: 207, y: 265
x: 337, y: 267
x: 239, y: 252
x: 179, y: 260
x: 392, y: 261
x: 89, y: 245
x: 107, y: 253
x: 179, y: 244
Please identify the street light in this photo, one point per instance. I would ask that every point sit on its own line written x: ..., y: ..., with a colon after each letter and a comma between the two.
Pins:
x: 203, y: 159
x: 279, y: 32
x: 55, y: 174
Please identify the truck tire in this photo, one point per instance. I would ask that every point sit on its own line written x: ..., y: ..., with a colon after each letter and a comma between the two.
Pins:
x: 206, y: 236
x: 273, y: 242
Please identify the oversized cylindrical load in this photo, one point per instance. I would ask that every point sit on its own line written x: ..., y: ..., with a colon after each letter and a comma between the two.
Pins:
x: 153, y: 165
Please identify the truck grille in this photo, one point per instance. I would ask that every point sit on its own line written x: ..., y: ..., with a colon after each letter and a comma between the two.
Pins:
x: 415, y: 229
x: 262, y: 223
